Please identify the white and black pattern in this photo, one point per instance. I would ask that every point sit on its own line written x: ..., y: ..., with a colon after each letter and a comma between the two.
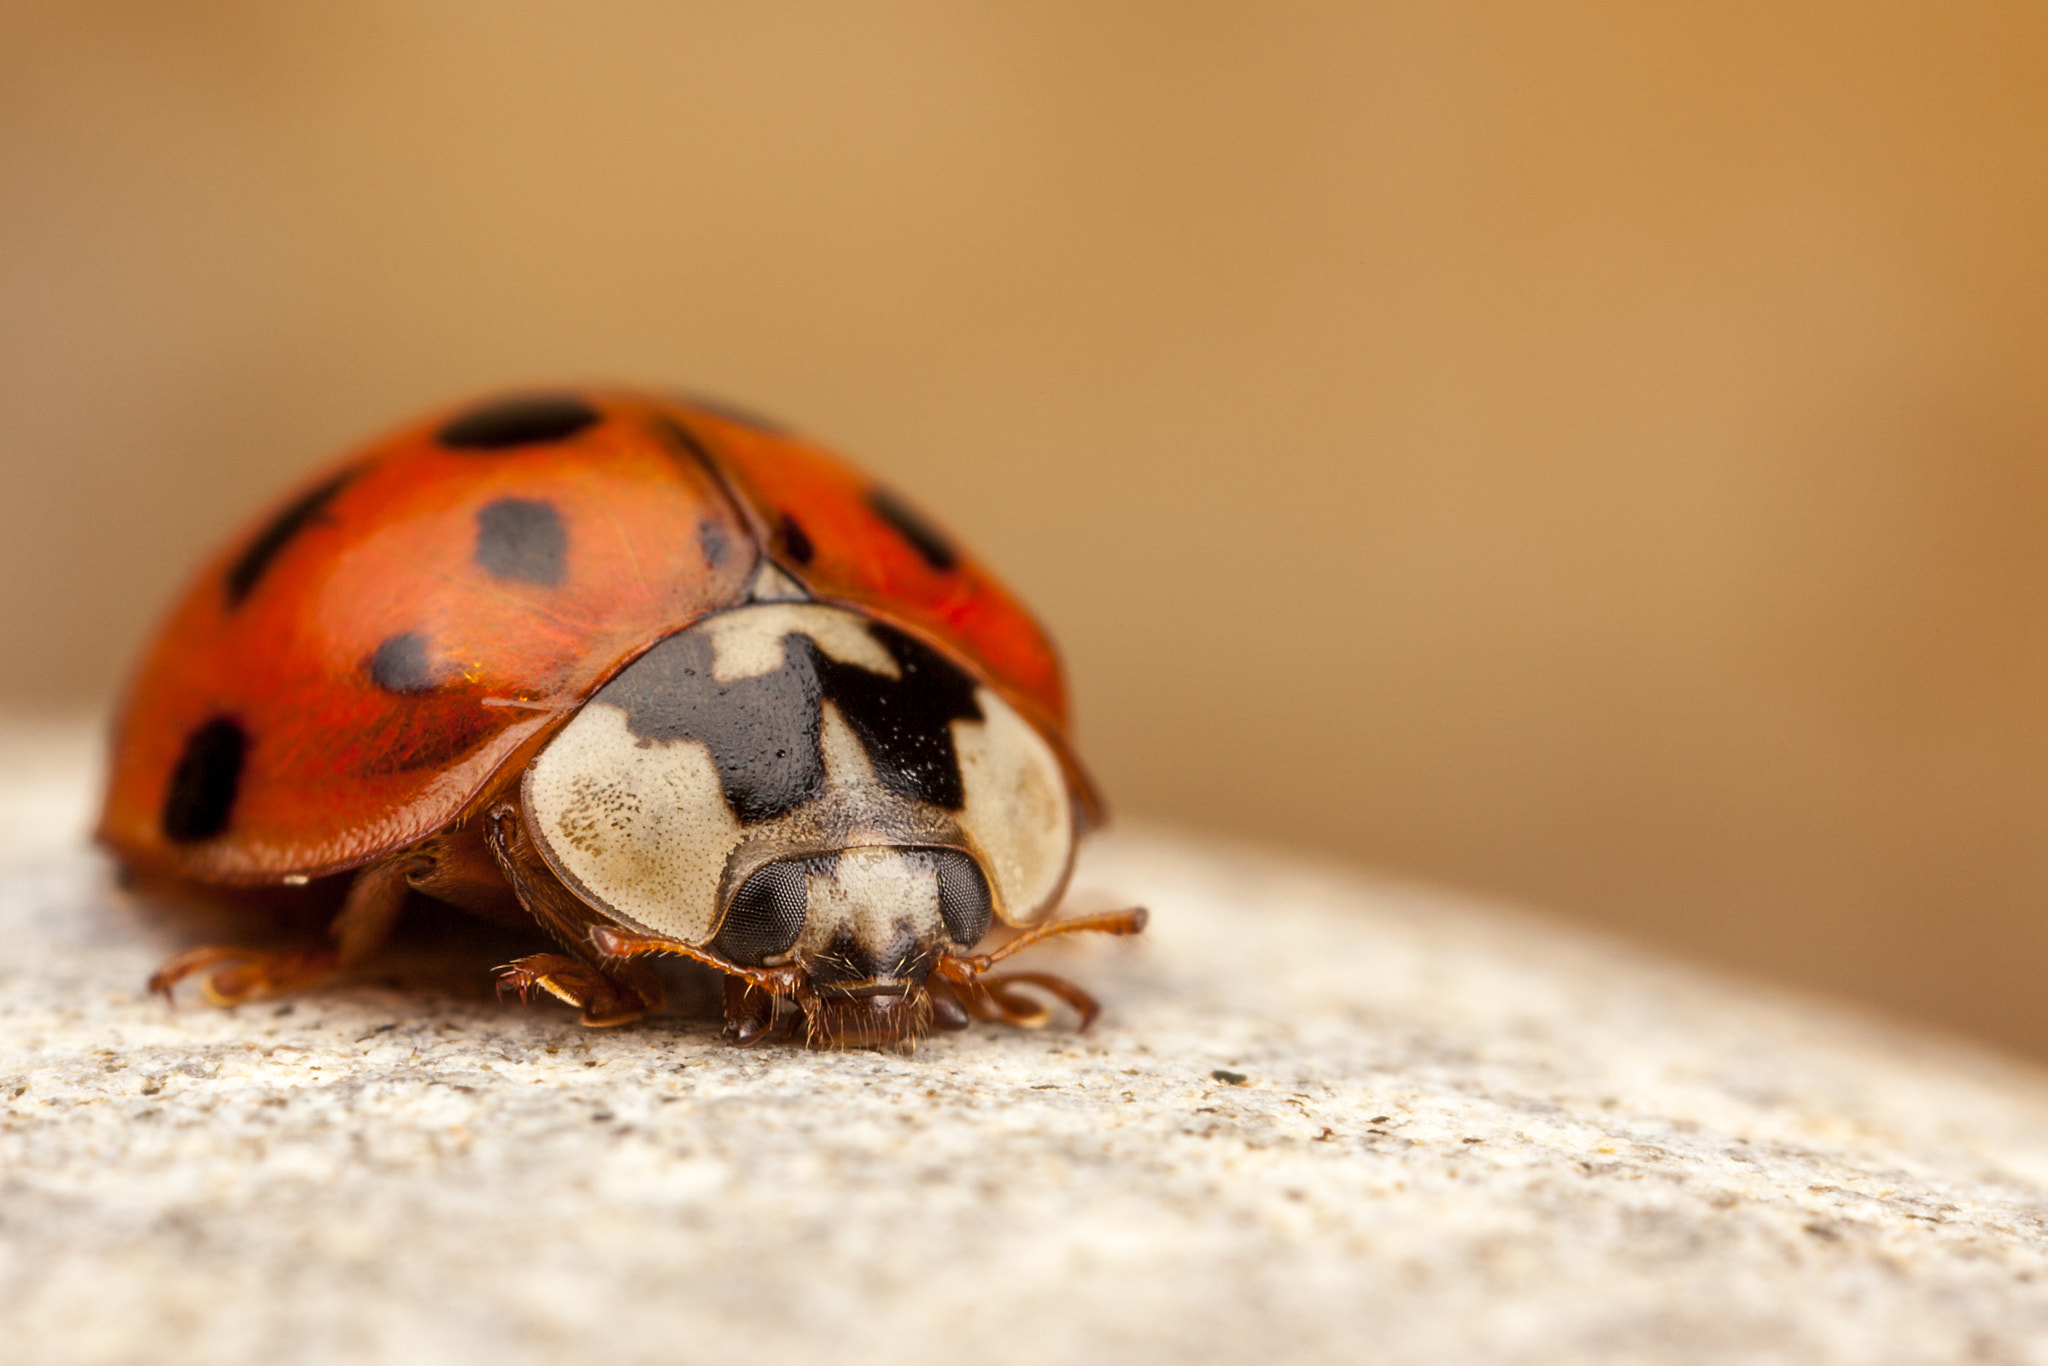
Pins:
x: 772, y: 585
x: 795, y: 731
x: 751, y: 686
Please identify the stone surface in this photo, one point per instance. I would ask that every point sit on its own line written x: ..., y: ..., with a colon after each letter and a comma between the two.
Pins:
x: 1323, y: 1119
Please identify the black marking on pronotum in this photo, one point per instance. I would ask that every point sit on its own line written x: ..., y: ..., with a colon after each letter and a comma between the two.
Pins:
x: 403, y: 664
x: 924, y: 538
x: 522, y: 540
x: 532, y: 420
x: 201, y: 795
x: 763, y: 732
x: 796, y: 540
x: 249, y: 567
x: 906, y: 723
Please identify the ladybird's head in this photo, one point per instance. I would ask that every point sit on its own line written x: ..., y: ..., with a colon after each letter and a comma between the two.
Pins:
x: 799, y: 787
x: 865, y: 926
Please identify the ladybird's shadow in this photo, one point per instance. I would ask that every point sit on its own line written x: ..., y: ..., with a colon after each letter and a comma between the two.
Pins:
x: 435, y: 950
x: 438, y: 950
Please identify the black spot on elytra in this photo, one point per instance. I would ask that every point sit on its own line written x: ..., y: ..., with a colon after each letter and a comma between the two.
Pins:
x: 924, y: 538
x: 529, y: 421
x: 713, y: 541
x: 250, y: 566
x: 201, y: 796
x: 522, y: 540
x: 763, y: 732
x: 402, y: 663
x: 796, y: 541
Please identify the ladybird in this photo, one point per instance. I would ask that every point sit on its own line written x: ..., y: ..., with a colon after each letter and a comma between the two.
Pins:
x: 662, y: 677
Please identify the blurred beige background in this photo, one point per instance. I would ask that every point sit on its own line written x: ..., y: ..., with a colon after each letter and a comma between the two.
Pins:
x: 1595, y: 453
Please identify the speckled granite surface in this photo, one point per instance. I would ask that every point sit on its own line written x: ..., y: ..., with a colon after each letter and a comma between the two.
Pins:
x: 1458, y: 1136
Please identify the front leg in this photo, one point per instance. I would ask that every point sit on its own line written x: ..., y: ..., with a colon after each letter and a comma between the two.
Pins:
x: 615, y: 994
x: 603, y: 1001
x: 749, y: 1012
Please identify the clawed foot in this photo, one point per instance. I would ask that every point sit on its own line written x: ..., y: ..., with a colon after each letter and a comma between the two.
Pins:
x: 604, y: 1000
x: 749, y: 1013
x: 230, y: 976
x: 995, y: 997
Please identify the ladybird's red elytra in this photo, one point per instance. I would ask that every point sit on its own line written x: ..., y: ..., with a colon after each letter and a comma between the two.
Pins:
x: 666, y: 678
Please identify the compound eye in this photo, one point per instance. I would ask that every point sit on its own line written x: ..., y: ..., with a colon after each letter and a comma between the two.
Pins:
x: 963, y: 897
x: 766, y: 915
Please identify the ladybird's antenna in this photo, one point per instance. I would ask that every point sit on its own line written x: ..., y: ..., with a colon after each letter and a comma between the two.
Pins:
x: 616, y: 941
x: 1131, y: 921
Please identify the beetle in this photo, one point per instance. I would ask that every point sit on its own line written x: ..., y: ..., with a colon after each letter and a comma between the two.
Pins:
x: 659, y: 676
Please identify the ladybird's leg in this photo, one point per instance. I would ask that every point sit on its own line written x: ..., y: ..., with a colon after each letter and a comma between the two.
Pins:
x: 374, y: 901
x: 990, y: 1000
x: 750, y: 993
x: 749, y: 1012
x: 947, y: 1010
x: 457, y: 869
x: 606, y: 998
x: 602, y: 1001
x: 1003, y: 987
x: 994, y: 996
x: 615, y: 994
x: 248, y: 975
x: 230, y: 976
x: 175, y: 969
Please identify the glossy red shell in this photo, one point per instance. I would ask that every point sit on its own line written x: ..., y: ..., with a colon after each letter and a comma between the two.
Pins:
x: 664, y: 511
